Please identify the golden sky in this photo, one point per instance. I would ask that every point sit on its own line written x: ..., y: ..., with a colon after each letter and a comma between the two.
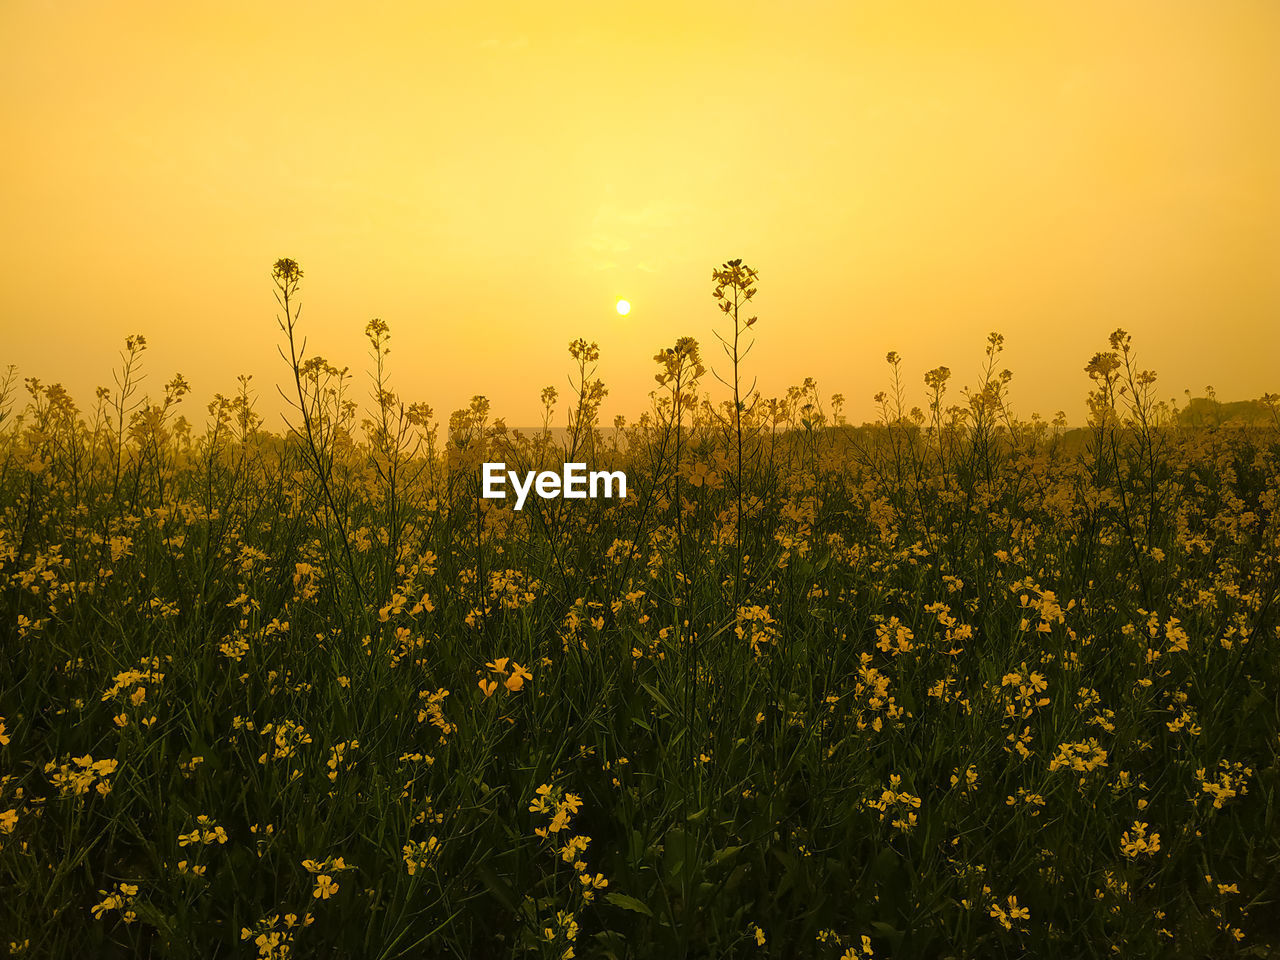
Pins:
x: 489, y: 178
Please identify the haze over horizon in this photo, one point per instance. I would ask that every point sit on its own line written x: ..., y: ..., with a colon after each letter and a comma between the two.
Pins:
x: 905, y: 176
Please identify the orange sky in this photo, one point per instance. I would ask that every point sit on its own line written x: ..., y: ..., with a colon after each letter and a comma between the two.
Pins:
x: 488, y: 178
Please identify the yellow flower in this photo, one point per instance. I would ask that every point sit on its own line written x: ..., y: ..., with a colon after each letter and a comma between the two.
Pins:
x: 105, y: 768
x: 418, y: 856
x: 325, y: 887
x: 519, y: 675
x: 575, y: 845
x: 1016, y: 912
x: 1140, y: 842
x: 853, y: 952
x: 118, y: 899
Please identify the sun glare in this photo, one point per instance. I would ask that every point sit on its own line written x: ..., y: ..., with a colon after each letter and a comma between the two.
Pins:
x: 624, y: 307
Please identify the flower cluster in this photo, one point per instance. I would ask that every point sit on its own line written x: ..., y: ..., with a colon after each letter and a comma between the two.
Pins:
x: 899, y: 804
x: 512, y: 677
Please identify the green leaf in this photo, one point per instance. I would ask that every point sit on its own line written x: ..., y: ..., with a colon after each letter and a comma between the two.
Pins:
x: 498, y: 887
x: 677, y: 848
x: 724, y: 854
x: 612, y: 943
x: 659, y: 698
x: 887, y: 931
x: 628, y: 903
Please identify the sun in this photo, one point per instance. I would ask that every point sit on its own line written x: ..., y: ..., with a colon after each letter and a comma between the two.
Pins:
x: 624, y: 307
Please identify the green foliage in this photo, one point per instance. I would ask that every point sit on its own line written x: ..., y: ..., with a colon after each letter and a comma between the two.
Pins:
x: 954, y: 684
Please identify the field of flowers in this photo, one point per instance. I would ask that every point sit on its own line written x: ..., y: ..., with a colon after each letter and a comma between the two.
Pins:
x: 950, y: 685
